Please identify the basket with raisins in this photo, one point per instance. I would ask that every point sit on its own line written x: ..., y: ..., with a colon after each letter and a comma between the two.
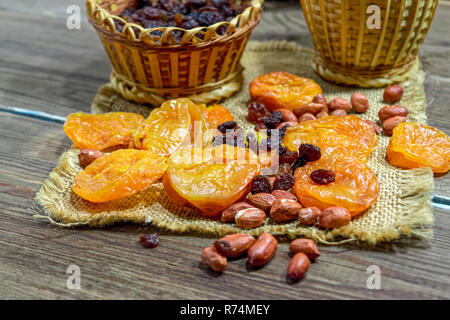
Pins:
x: 161, y: 49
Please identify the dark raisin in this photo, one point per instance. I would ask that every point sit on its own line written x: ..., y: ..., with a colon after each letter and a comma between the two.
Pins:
x: 260, y: 184
x: 300, y: 162
x: 322, y: 176
x: 309, y: 152
x: 196, y: 3
x: 151, y: 13
x: 282, y: 130
x: 273, y: 120
x: 189, y: 23
x: 149, y: 240
x: 219, y: 3
x: 281, y: 149
x: 289, y: 157
x: 257, y: 112
x: 208, y: 8
x: 284, y: 168
x: 207, y: 18
x: 283, y: 181
x: 223, y: 127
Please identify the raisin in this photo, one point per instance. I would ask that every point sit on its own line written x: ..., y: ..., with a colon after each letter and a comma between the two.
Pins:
x: 257, y: 112
x: 300, y: 162
x: 151, y: 13
x: 289, y: 157
x: 281, y: 149
x: 223, y: 127
x: 260, y: 184
x: 273, y: 120
x: 196, y: 3
x: 149, y: 240
x: 207, y: 18
x: 322, y: 176
x: 219, y: 3
x: 282, y: 130
x: 283, y: 181
x: 309, y: 152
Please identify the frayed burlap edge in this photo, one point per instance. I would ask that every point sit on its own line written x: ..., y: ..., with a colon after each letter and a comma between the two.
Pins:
x: 415, y: 216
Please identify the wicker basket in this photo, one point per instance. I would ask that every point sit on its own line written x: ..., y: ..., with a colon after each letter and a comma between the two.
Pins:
x: 348, y: 52
x: 151, y: 66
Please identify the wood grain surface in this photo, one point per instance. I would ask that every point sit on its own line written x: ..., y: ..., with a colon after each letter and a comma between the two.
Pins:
x: 47, y: 67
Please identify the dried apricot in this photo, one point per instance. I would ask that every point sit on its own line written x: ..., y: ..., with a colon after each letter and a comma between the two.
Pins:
x: 169, y: 127
x: 348, y: 135
x: 211, y: 179
x: 355, y: 186
x: 101, y: 131
x: 414, y: 146
x: 216, y: 114
x: 119, y: 174
x: 282, y: 90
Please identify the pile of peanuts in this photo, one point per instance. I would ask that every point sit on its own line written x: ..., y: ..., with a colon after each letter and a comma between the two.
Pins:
x: 282, y: 206
x: 259, y: 252
x: 390, y: 116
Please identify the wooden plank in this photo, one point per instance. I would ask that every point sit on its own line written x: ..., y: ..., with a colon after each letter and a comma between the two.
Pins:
x: 35, y: 255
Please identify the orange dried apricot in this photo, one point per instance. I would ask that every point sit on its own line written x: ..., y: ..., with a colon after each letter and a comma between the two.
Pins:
x: 348, y: 135
x: 355, y: 186
x: 169, y: 127
x: 210, y: 179
x: 101, y: 131
x: 119, y: 174
x: 282, y: 90
x: 415, y: 146
x: 216, y: 114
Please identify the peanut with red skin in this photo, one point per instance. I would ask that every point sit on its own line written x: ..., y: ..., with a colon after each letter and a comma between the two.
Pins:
x: 283, y: 194
x: 322, y: 114
x: 284, y: 210
x: 339, y: 113
x: 87, y: 156
x: 250, y: 218
x: 262, y: 201
x: 312, y: 108
x: 306, y: 246
x: 287, y: 115
x: 291, y: 123
x: 306, y: 117
x: 298, y: 266
x: 308, y: 216
x: 359, y: 102
x: 393, y: 93
x: 334, y: 217
x: 262, y: 250
x: 389, y: 124
x: 229, y: 213
x: 392, y: 111
x: 340, y: 104
x: 320, y: 99
x: 213, y: 259
x: 234, y: 245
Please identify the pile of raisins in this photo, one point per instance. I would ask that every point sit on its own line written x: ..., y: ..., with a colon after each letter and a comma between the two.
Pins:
x: 185, y: 15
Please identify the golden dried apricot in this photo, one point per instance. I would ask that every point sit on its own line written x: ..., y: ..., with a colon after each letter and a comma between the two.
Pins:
x: 355, y: 187
x: 216, y: 114
x: 348, y: 135
x: 415, y: 146
x: 120, y: 174
x: 210, y: 179
x: 101, y: 131
x: 282, y: 90
x: 169, y: 127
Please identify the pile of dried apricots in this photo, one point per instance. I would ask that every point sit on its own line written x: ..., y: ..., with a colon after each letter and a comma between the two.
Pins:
x: 305, y: 160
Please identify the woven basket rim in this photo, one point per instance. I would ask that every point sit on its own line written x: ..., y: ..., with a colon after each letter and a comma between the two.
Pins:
x: 237, y: 27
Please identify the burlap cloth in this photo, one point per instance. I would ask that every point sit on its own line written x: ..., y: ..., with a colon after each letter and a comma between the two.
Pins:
x: 402, y: 210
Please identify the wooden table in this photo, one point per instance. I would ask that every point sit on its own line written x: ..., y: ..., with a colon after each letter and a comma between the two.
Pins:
x: 47, y: 67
